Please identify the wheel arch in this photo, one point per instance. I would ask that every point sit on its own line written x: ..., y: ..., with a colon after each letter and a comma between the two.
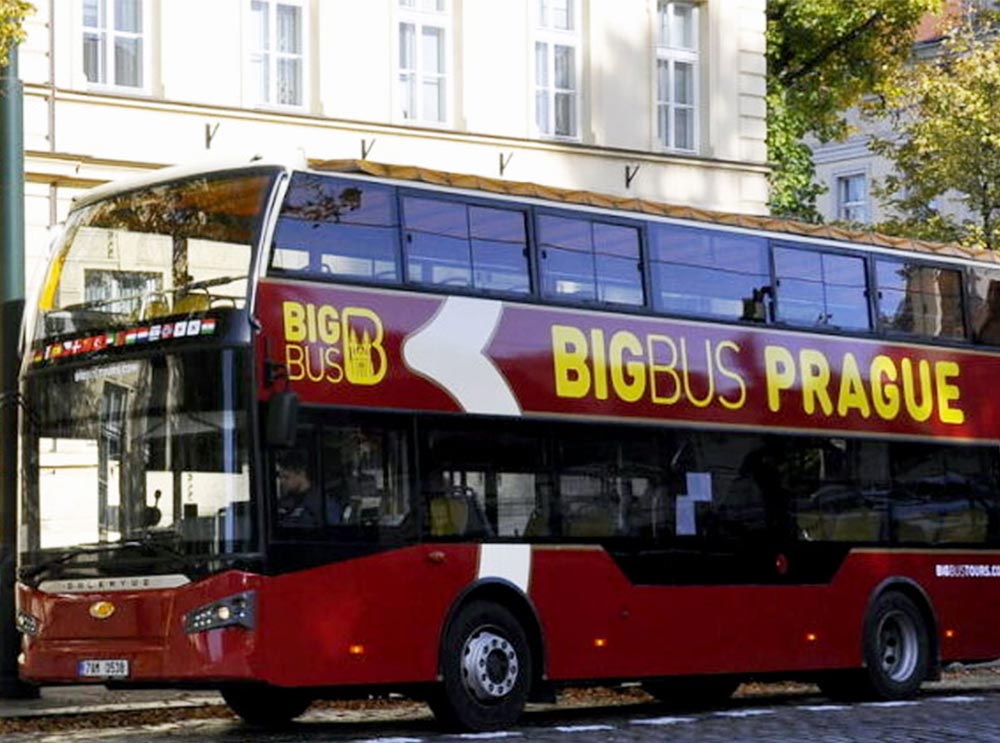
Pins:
x: 922, y: 600
x: 511, y: 597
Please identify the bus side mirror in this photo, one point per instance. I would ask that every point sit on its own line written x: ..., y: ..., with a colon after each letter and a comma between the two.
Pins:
x: 282, y: 419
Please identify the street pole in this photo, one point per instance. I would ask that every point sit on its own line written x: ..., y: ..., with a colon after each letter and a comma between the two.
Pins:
x: 11, y: 309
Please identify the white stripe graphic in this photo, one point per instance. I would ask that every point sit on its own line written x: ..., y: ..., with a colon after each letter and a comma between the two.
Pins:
x: 449, y: 350
x: 511, y: 562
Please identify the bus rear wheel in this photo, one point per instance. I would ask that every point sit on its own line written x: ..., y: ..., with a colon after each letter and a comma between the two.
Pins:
x: 486, y: 669
x: 897, y: 647
x: 897, y: 655
x: 266, y: 706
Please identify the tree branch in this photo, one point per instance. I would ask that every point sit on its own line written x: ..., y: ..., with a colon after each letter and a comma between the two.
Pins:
x: 788, y: 77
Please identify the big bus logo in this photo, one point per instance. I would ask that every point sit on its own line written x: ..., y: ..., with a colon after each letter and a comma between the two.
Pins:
x: 327, y: 344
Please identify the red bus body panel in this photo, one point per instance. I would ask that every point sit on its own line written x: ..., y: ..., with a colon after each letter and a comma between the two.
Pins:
x: 362, y: 622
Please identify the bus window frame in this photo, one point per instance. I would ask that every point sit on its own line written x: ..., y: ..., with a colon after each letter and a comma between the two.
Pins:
x: 468, y: 202
x: 966, y: 336
x: 820, y: 250
x: 592, y: 218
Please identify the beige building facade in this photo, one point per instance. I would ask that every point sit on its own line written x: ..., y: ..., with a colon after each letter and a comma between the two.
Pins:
x: 657, y: 99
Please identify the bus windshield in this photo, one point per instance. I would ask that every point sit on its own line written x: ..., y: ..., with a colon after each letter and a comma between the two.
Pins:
x: 137, y: 466
x: 171, y: 249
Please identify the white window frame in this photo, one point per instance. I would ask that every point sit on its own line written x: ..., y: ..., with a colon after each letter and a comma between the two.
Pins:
x: 251, y: 90
x: 547, y: 34
x: 671, y: 53
x: 844, y: 206
x: 110, y: 34
x: 422, y: 14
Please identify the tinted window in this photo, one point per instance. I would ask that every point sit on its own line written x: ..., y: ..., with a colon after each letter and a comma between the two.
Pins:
x: 586, y: 260
x: 335, y: 227
x: 984, y: 305
x: 821, y: 289
x: 838, y: 488
x: 943, y: 494
x: 708, y: 272
x: 455, y: 244
x: 919, y: 299
x: 437, y: 242
x: 484, y: 481
x: 350, y: 478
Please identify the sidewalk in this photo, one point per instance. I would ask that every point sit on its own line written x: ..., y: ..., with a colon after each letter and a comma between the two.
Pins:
x: 96, y: 699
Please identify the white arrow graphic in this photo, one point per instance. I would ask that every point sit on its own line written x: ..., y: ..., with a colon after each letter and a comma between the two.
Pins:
x: 449, y: 351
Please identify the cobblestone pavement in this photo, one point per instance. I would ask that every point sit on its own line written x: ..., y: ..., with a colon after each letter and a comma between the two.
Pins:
x: 945, y: 715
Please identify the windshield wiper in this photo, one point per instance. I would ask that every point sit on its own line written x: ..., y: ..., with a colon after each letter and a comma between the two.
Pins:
x: 87, y: 549
x: 146, y: 543
x: 150, y: 543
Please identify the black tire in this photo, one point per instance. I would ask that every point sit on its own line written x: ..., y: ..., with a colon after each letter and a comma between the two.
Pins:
x: 692, y: 692
x: 266, y: 706
x: 486, y: 668
x: 896, y: 650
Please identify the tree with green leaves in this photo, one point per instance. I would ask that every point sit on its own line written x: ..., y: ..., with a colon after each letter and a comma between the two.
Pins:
x: 945, y: 145
x: 823, y: 56
x: 12, y: 15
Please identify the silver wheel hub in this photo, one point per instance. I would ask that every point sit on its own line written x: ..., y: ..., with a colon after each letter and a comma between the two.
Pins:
x: 489, y: 665
x: 898, y: 646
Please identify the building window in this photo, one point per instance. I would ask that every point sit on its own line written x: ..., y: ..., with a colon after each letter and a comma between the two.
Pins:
x: 677, y: 75
x: 114, y: 43
x: 557, y: 68
x: 423, y: 60
x: 277, y: 52
x: 852, y: 198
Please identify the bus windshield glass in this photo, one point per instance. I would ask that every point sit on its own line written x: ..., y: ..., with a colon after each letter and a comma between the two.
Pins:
x: 137, y: 466
x: 172, y: 249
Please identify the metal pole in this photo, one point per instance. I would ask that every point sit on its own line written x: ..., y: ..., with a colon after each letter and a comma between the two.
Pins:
x: 11, y: 309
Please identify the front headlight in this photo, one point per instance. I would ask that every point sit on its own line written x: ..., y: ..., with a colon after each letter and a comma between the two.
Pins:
x: 27, y: 624
x: 233, y: 611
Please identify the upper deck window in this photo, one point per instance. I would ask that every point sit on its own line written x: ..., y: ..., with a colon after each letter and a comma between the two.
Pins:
x: 465, y: 245
x: 821, y: 289
x: 335, y: 227
x: 984, y: 305
x: 708, y: 272
x: 919, y: 299
x: 585, y: 260
x: 170, y: 249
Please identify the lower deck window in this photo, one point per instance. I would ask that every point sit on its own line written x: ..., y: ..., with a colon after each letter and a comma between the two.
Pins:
x: 641, y: 486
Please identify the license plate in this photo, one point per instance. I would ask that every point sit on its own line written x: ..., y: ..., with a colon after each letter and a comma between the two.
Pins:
x: 105, y: 669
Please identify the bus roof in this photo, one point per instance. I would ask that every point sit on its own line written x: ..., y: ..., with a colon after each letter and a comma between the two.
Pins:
x: 605, y: 201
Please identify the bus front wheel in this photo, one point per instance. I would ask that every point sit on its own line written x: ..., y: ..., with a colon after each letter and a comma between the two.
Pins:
x: 266, y: 706
x: 485, y: 668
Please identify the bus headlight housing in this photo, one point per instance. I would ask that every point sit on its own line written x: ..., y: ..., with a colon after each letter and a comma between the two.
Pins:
x: 238, y: 610
x: 27, y: 624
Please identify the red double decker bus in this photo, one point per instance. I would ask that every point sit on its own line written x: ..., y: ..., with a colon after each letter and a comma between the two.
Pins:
x: 347, y: 428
